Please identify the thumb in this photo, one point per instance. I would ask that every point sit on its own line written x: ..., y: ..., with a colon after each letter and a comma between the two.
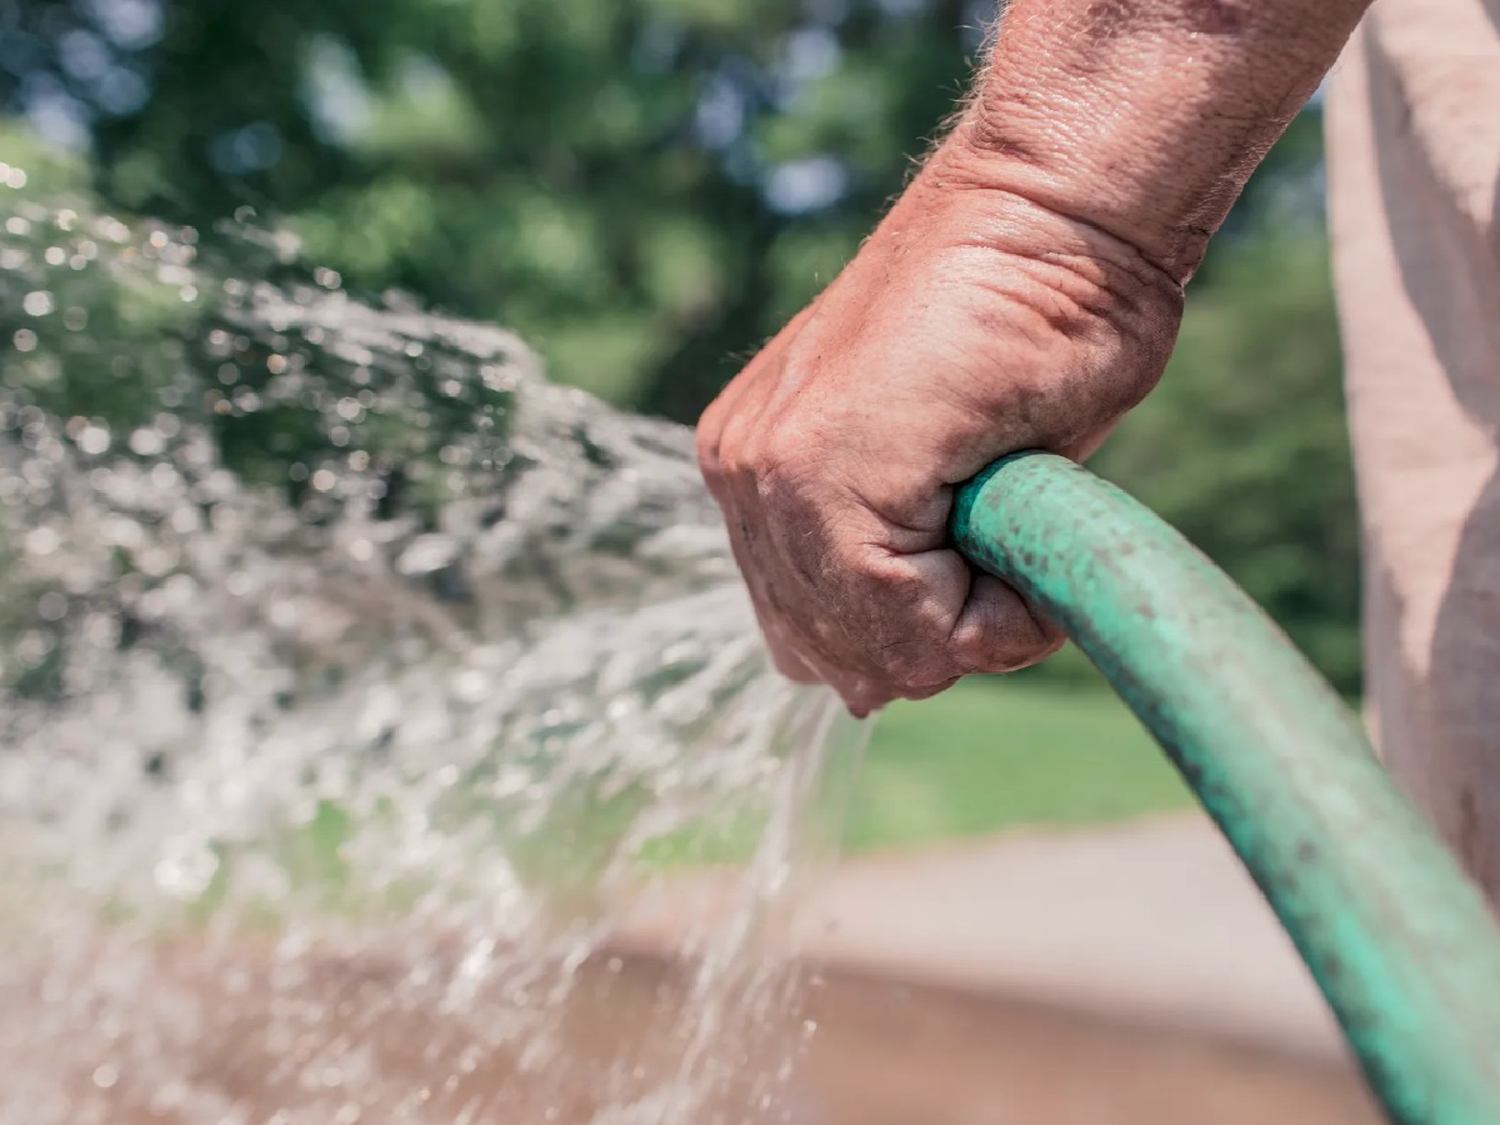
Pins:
x: 997, y: 631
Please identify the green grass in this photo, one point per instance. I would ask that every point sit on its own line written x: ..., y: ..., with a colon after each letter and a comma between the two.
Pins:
x: 999, y: 753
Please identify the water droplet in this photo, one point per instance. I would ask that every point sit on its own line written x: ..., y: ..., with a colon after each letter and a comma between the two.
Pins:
x: 187, y: 869
x: 37, y: 303
x: 426, y: 554
x: 112, y: 229
x: 42, y: 541
x: 52, y: 606
x: 146, y: 442
x: 93, y: 439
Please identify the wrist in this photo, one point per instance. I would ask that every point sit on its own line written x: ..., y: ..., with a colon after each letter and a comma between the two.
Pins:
x: 984, y: 201
x: 1144, y: 118
x: 1165, y: 214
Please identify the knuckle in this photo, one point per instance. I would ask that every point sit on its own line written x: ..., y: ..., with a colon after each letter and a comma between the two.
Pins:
x: 782, y: 463
x: 707, y: 444
x: 773, y: 482
x: 898, y: 588
x: 744, y: 446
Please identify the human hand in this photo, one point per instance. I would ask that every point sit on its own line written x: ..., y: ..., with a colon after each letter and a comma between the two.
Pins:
x: 972, y: 324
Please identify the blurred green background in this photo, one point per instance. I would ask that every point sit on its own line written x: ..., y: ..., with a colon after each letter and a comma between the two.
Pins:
x: 648, y: 189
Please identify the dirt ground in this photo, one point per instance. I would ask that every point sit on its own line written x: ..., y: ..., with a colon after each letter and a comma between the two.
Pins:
x: 346, y: 1041
x: 895, y: 1056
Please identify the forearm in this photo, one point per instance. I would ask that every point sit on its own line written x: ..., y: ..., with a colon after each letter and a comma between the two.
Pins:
x: 1144, y: 118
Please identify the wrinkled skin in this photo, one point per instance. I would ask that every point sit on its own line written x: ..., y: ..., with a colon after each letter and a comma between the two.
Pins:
x: 973, y: 323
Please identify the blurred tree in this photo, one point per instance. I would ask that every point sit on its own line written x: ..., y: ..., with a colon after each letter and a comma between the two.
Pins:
x: 643, y: 188
x: 646, y: 189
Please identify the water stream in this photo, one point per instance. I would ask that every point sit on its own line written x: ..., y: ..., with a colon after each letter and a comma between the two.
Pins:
x: 355, y: 680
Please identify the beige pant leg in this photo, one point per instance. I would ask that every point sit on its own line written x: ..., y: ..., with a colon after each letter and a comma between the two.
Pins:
x: 1414, y: 168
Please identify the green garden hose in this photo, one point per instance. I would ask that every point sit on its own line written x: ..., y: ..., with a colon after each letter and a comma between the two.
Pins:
x: 1401, y: 943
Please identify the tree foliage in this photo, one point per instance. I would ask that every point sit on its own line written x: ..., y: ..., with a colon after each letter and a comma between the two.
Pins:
x: 644, y: 188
